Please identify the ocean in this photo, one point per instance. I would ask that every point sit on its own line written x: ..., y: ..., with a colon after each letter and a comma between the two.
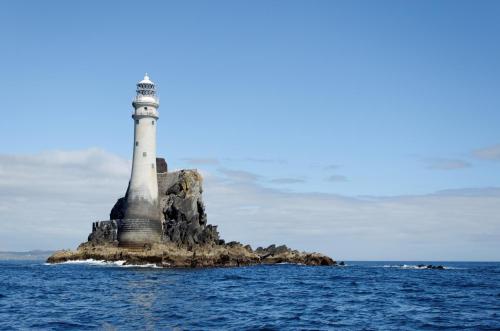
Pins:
x: 359, y: 296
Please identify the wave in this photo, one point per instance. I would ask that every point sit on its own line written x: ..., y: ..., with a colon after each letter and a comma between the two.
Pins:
x: 147, y: 265
x: 120, y: 263
x: 418, y: 266
x: 290, y: 263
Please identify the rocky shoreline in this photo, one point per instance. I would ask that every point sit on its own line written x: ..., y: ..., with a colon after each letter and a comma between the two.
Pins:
x: 188, y: 241
x: 171, y: 256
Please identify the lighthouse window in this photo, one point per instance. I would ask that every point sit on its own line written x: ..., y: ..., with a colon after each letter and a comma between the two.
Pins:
x: 144, y: 154
x: 152, y: 165
x: 145, y: 108
x: 137, y: 143
x: 153, y: 122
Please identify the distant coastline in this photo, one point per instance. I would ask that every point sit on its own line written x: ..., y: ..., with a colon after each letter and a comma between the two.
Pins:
x: 26, y: 255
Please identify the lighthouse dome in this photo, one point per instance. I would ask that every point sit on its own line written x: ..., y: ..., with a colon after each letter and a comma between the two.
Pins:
x: 146, y: 80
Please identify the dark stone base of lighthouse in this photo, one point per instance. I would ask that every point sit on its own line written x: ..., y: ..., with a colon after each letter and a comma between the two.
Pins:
x: 181, y: 238
x: 138, y: 233
x: 141, y: 209
x: 141, y: 224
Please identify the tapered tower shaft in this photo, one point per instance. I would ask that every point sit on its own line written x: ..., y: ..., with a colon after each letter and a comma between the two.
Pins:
x: 141, y: 224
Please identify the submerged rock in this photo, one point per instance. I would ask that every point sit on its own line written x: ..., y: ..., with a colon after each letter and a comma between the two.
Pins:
x: 430, y: 266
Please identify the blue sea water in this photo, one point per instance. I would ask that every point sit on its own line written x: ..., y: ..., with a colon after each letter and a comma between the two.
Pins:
x: 361, y: 295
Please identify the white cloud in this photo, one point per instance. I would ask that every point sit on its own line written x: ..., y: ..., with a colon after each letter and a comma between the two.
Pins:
x: 49, y: 201
x: 336, y: 178
x: 429, y: 227
x: 202, y: 161
x: 331, y: 167
x: 238, y: 175
x: 488, y: 153
x: 447, y: 164
x: 287, y: 180
x: 261, y: 160
x: 255, y: 160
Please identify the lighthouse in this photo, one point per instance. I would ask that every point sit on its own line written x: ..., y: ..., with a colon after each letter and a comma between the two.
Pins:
x: 142, y: 222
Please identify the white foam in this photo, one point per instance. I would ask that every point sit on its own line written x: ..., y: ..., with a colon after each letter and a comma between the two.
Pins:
x: 147, y: 265
x: 120, y: 263
x: 404, y: 266
x: 411, y: 266
x: 290, y: 263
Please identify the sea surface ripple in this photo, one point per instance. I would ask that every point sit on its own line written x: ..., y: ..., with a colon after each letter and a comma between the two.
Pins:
x: 361, y: 295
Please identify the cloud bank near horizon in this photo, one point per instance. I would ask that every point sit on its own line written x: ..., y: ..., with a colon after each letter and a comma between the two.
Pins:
x: 49, y: 201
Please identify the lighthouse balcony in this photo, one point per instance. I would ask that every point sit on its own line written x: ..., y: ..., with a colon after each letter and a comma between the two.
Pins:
x: 140, y: 112
x: 147, y: 98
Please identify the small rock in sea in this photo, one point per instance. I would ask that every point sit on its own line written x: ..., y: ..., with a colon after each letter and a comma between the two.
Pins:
x: 430, y: 266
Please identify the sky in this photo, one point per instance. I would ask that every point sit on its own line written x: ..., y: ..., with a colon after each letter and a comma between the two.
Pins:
x: 364, y: 130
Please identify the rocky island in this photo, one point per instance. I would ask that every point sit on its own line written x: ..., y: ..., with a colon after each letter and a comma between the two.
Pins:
x: 187, y: 239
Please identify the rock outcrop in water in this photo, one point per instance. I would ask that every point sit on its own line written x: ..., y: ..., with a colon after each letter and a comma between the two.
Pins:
x: 170, y: 255
x: 188, y: 240
x: 430, y: 266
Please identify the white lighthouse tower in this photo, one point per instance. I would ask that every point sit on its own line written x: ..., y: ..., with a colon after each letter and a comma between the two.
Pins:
x: 142, y: 223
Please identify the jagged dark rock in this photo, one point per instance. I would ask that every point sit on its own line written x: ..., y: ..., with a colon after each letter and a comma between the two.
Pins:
x: 104, y: 232
x: 185, y: 219
x: 118, y: 210
x: 430, y: 266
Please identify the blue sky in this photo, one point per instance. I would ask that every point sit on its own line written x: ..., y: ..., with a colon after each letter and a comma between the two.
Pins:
x: 377, y: 89
x: 350, y: 98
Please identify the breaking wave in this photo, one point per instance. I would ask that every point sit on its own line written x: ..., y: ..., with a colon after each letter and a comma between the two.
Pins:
x: 107, y: 263
x: 418, y: 267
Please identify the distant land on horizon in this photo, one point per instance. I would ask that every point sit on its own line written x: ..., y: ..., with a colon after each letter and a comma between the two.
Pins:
x: 27, y: 255
x: 39, y: 254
